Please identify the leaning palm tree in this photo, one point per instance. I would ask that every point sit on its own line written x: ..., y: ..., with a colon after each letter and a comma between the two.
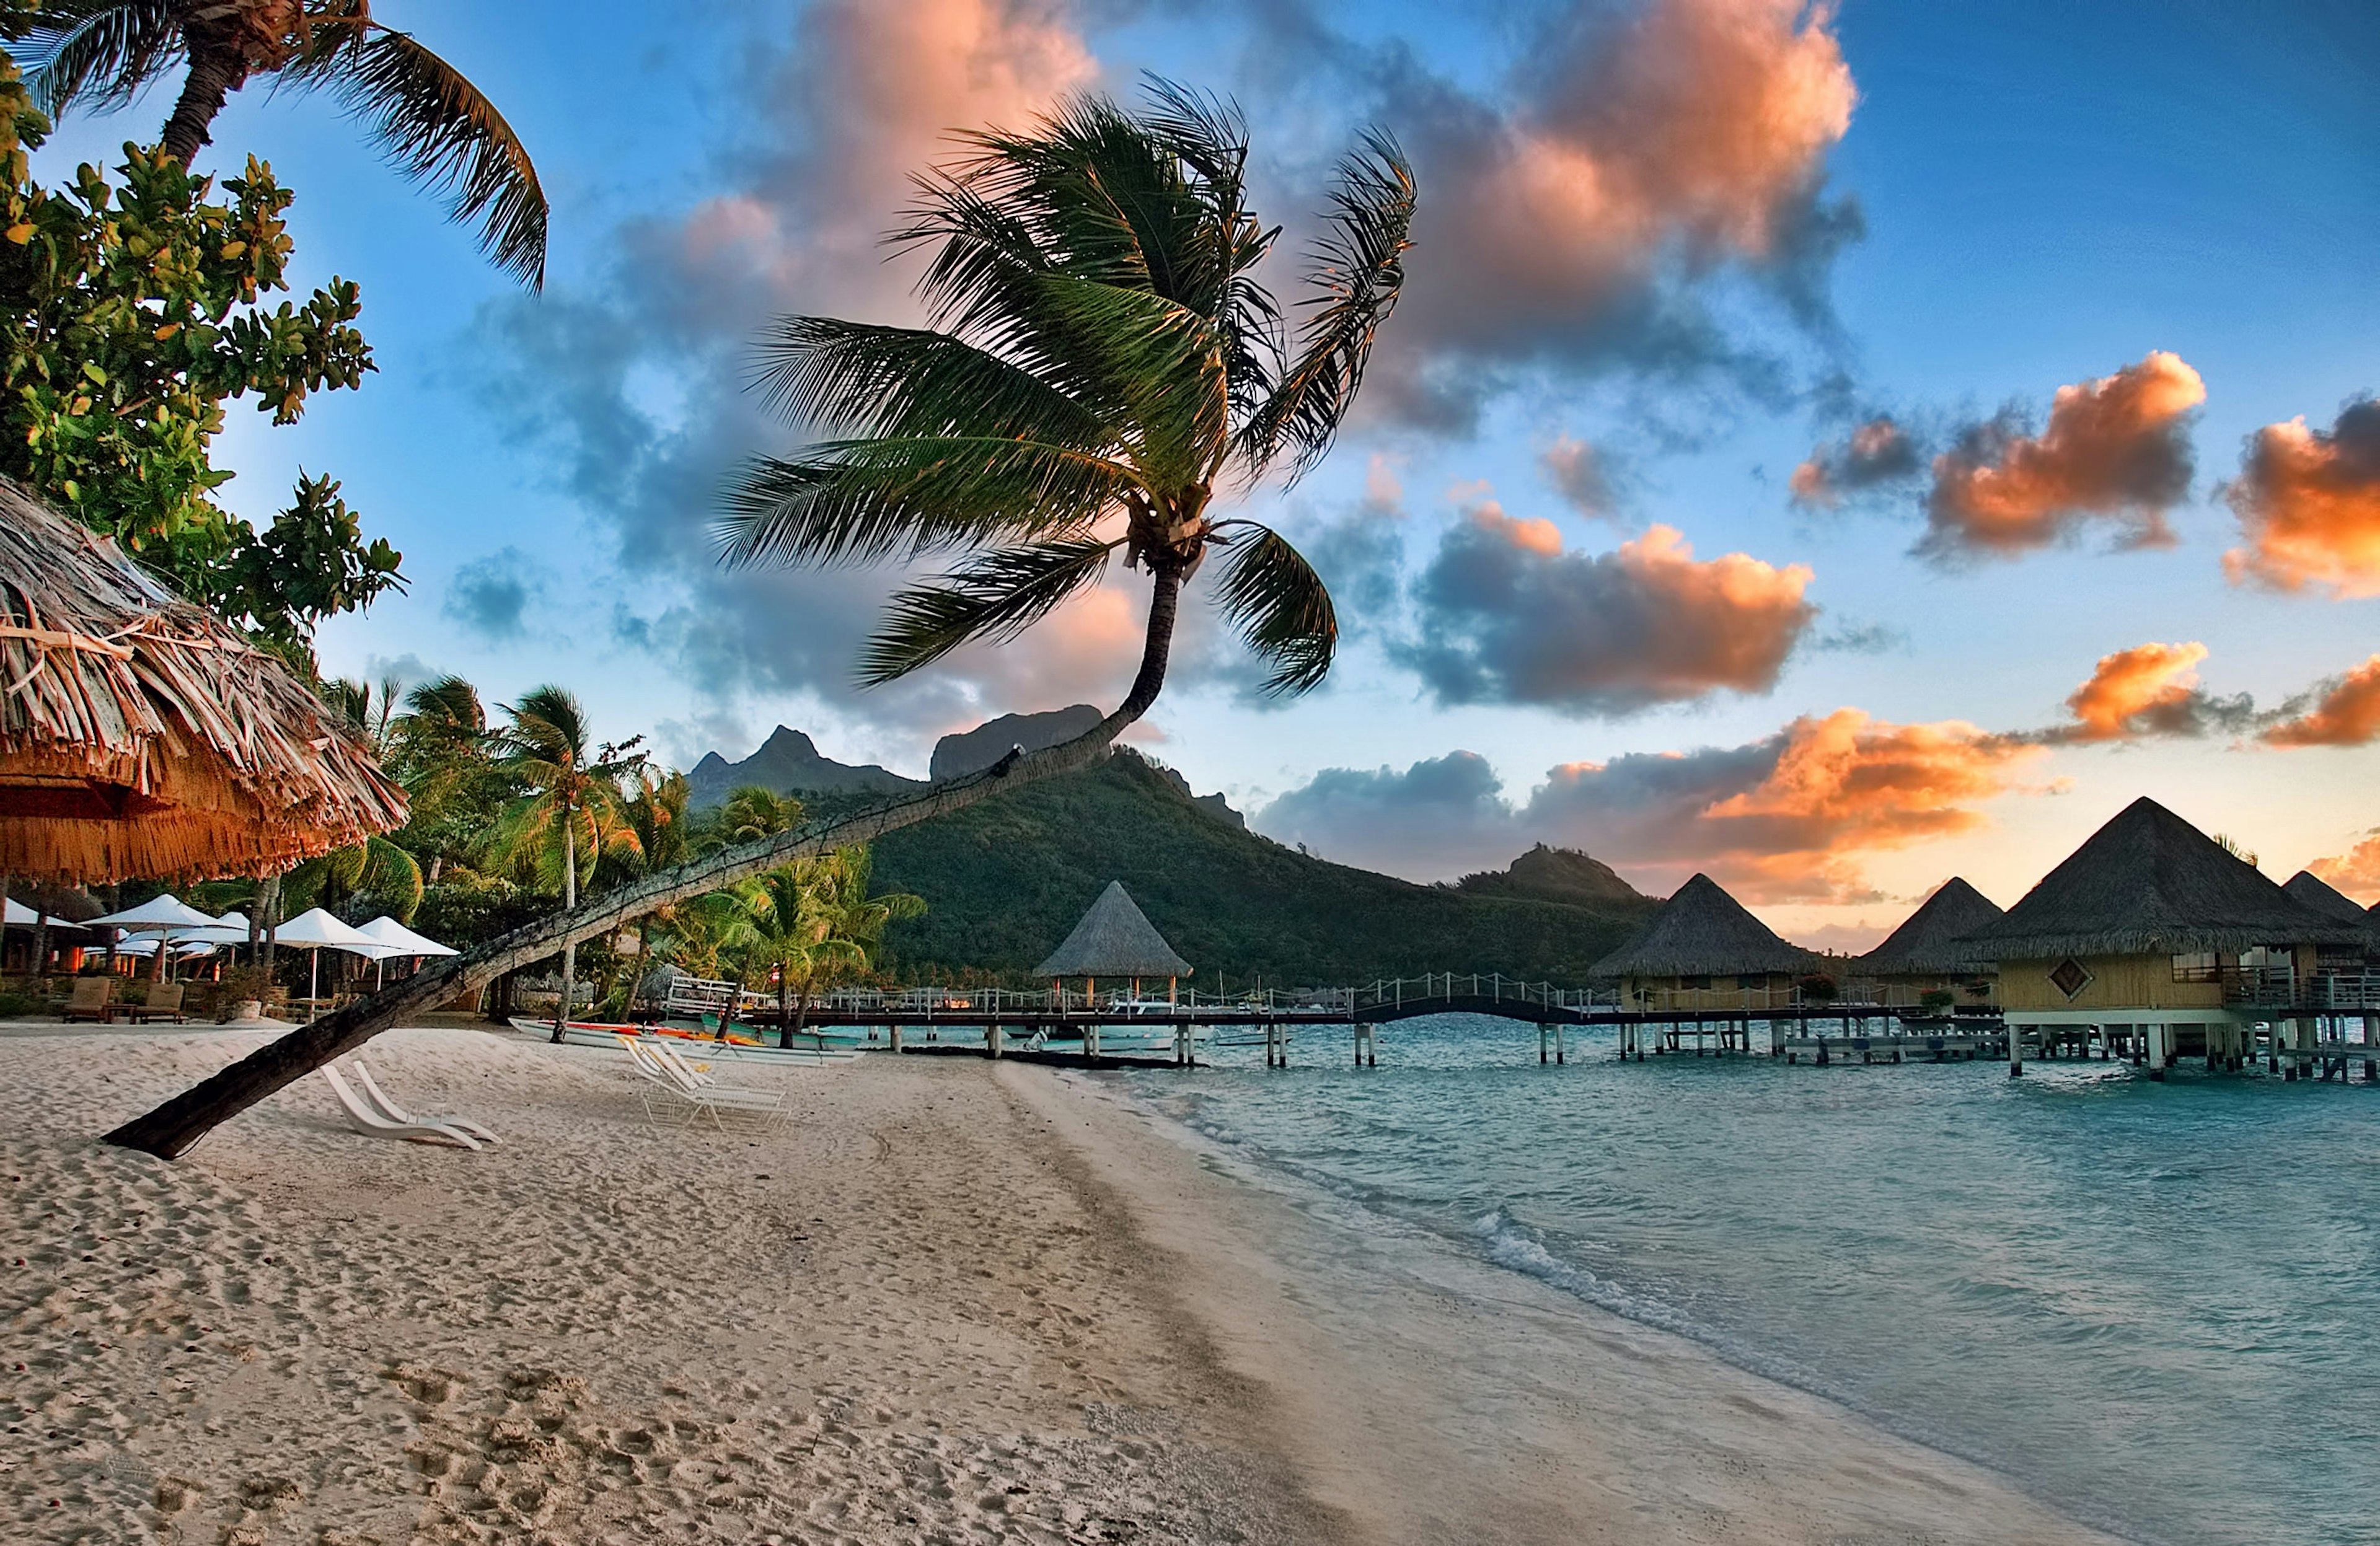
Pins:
x: 574, y: 809
x: 433, y: 124
x: 1104, y: 360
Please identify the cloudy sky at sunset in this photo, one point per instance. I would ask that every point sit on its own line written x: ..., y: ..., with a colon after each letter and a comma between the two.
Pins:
x: 1832, y: 448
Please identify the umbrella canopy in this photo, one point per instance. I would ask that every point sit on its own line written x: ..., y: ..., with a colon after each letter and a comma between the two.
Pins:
x: 317, y: 930
x: 141, y: 735
x: 22, y: 917
x: 161, y: 914
x: 402, y: 941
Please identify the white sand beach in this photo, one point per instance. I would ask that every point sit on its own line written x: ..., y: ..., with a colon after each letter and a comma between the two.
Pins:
x: 944, y: 1301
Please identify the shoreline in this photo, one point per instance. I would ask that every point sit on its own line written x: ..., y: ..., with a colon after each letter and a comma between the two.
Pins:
x: 1492, y: 1406
x: 945, y: 1300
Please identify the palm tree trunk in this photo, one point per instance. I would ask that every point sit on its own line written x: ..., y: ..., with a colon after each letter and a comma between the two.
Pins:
x: 569, y: 902
x: 41, y: 951
x: 786, y: 1006
x: 217, y: 69
x: 170, y: 1129
x: 268, y: 912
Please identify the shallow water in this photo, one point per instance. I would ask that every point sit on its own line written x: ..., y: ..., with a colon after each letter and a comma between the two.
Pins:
x: 2151, y: 1305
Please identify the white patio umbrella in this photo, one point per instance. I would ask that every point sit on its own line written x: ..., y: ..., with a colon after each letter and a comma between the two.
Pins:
x: 21, y: 917
x: 165, y: 915
x: 400, y: 941
x: 319, y: 931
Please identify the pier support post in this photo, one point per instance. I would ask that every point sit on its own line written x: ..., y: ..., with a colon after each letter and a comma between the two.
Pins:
x: 2016, y: 1050
x: 993, y: 1041
x: 2159, y: 1037
x: 1558, y: 1043
x: 1542, y: 1044
x: 893, y: 1034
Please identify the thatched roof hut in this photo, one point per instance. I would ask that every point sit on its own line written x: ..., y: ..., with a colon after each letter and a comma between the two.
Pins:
x: 143, y: 736
x: 2149, y: 883
x: 1928, y: 939
x: 1114, y: 940
x: 1702, y: 931
x: 2314, y: 891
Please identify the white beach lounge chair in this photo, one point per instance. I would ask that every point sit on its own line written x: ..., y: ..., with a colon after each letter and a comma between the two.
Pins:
x: 396, y: 1113
x: 675, y: 1096
x: 364, y: 1120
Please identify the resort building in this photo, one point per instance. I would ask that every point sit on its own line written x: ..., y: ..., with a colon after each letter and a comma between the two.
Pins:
x: 1703, y: 951
x: 2155, y: 942
x: 2323, y: 897
x: 1925, y: 954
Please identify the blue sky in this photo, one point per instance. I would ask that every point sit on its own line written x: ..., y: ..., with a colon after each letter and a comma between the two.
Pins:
x: 1699, y: 238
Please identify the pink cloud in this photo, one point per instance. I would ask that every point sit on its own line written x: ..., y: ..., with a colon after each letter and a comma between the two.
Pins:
x: 2309, y: 506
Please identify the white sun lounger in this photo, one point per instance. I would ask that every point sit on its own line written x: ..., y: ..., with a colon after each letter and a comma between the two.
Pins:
x: 396, y: 1113
x: 669, y: 1093
x: 364, y: 1120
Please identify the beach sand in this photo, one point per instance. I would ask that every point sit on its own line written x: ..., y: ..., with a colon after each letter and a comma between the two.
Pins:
x: 944, y: 1301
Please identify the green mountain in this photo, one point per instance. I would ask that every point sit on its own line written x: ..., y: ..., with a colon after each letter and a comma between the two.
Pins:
x: 1006, y: 879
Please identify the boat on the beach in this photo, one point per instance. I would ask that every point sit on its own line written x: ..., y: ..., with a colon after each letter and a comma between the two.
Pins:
x: 605, y: 1033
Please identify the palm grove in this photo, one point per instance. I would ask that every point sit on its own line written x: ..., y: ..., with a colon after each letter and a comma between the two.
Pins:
x: 1101, y: 361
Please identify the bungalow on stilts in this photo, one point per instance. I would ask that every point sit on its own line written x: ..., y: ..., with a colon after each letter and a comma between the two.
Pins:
x: 1704, y: 952
x: 2152, y: 941
x: 1923, y: 956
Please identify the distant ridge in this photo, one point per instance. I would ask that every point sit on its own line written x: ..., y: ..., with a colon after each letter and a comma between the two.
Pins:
x: 788, y: 761
x: 970, y: 750
x: 1560, y: 875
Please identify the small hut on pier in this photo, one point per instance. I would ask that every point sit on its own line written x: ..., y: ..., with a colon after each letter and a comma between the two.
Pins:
x: 1703, y: 951
x: 1924, y: 954
x: 2154, y: 939
x: 143, y: 736
x: 1114, y: 940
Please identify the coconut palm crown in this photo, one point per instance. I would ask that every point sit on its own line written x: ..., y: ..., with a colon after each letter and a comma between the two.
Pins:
x: 434, y: 126
x: 1101, y: 358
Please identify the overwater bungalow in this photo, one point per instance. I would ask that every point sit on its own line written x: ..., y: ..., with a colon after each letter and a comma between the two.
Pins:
x: 2326, y: 899
x: 1703, y: 951
x: 1925, y: 954
x: 2153, y: 941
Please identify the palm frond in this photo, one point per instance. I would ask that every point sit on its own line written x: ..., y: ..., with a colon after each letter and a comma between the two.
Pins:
x: 393, y: 875
x: 438, y: 131
x: 996, y: 598
x: 101, y: 53
x: 1358, y: 269
x: 870, y: 381
x: 855, y: 502
x: 1281, y: 609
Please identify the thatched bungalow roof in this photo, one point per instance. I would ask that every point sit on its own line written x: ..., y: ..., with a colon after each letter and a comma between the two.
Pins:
x: 2149, y: 883
x: 1926, y: 939
x: 1114, y: 940
x: 2319, y: 894
x: 143, y: 736
x: 1703, y: 930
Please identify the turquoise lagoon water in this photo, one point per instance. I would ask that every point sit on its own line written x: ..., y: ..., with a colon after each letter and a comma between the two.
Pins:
x: 2156, y: 1307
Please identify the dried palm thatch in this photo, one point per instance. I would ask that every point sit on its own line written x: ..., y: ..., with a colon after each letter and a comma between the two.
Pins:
x: 1114, y: 940
x: 143, y: 736
x: 1928, y: 941
x: 2323, y: 897
x: 2149, y: 883
x: 1702, y: 931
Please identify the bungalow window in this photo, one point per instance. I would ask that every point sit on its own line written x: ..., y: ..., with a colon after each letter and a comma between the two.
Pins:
x: 1701, y: 982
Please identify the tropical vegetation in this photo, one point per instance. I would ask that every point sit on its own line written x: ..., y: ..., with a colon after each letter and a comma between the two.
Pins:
x: 1104, y: 359
x: 424, y: 114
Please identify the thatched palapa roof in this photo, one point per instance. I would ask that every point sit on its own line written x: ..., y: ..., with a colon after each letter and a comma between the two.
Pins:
x: 2314, y: 891
x: 1114, y: 940
x: 1700, y: 931
x: 1926, y: 939
x: 2149, y: 883
x: 143, y: 736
